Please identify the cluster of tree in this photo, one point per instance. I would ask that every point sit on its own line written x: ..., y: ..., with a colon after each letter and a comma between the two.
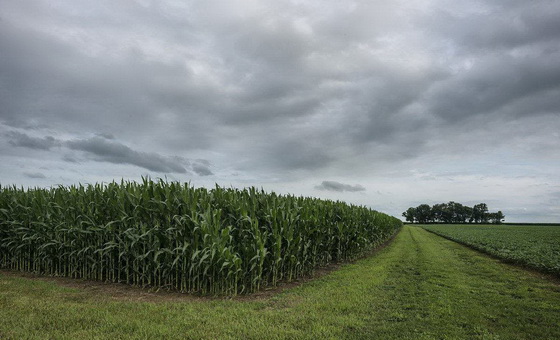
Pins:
x: 452, y: 212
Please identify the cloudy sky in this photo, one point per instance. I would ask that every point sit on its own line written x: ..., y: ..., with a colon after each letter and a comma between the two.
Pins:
x: 388, y: 104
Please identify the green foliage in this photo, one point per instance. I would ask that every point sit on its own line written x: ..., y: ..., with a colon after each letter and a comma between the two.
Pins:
x: 409, y: 214
x: 452, y: 212
x: 480, y: 213
x: 423, y: 213
x: 534, y: 246
x: 219, y: 241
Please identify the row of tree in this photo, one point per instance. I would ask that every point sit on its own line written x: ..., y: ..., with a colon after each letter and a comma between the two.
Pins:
x: 452, y: 212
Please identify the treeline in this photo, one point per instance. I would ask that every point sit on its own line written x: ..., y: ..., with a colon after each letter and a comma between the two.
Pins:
x: 452, y: 212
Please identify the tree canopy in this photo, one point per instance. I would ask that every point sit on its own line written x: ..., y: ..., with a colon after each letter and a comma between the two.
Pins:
x: 452, y: 212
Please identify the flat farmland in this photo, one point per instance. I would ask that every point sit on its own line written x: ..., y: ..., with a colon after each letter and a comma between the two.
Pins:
x: 421, y: 286
x: 534, y: 246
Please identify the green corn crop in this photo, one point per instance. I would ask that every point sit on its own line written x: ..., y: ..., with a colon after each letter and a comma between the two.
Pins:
x: 171, y: 235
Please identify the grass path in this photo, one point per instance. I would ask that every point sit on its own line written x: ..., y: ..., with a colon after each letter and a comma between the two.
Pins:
x: 419, y: 287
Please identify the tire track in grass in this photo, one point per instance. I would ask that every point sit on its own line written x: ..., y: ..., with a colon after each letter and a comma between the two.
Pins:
x: 438, y: 289
x: 420, y: 286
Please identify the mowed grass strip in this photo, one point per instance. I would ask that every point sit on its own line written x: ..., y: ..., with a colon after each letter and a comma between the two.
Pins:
x: 421, y: 286
x: 533, y: 246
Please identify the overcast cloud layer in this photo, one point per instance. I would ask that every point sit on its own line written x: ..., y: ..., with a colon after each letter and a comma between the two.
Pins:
x: 383, y: 103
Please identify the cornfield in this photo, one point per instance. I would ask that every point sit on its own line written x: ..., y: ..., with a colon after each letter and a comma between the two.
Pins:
x: 169, y: 235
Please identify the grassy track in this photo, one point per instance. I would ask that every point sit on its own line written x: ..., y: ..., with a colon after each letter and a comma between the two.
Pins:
x: 419, y: 287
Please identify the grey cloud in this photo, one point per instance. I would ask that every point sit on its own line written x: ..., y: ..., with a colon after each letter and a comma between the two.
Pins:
x: 114, y: 152
x: 24, y: 140
x: 500, y: 26
x: 262, y: 69
x: 299, y: 152
x: 554, y: 198
x: 34, y: 175
x: 106, y: 135
x: 504, y: 61
x: 282, y: 90
x: 60, y: 85
x: 270, y: 78
x: 201, y: 169
x: 339, y: 187
x: 203, y: 161
x: 493, y: 84
x: 70, y: 159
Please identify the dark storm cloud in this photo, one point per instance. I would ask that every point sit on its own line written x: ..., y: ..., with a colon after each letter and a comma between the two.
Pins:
x: 105, y: 150
x: 24, y: 140
x: 340, y: 187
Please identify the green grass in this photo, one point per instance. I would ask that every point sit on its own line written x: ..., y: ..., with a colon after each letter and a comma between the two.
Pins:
x: 537, y: 247
x: 419, y: 287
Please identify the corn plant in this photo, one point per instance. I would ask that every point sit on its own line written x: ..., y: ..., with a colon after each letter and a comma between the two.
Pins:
x: 173, y: 236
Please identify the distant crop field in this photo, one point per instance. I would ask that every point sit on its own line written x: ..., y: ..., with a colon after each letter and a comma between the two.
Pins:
x: 535, y: 246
